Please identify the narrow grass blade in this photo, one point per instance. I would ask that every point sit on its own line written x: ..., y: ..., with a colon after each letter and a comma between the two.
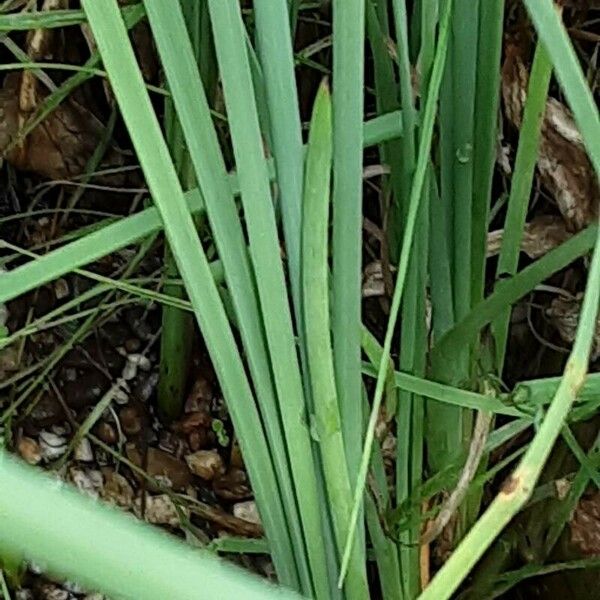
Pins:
x: 409, y: 115
x: 564, y: 512
x: 487, y: 99
x: 126, y: 286
x: 507, y: 293
x: 553, y: 35
x: 117, y: 235
x: 541, y: 391
x: 85, y: 250
x: 428, y: 21
x: 463, y: 63
x: 277, y: 62
x: 318, y: 340
x: 49, y: 19
x: 175, y: 350
x: 425, y: 139
x: 413, y: 336
x: 518, y: 488
x: 377, y: 499
x: 523, y: 172
x: 587, y: 465
x: 443, y: 225
x: 175, y: 341
x: 510, y: 579
x: 410, y: 411
x: 441, y: 392
x: 128, y: 559
x: 294, y: 8
x: 265, y: 252
x: 440, y: 285
x: 194, y: 115
x: 383, y: 128
x: 445, y: 425
x: 282, y: 108
x: 346, y: 281
x: 120, y: 63
x: 386, y: 90
x: 461, y: 79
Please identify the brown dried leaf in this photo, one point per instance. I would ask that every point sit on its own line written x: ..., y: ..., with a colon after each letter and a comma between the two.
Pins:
x: 60, y: 146
x: 564, y: 315
x: 40, y: 46
x: 564, y: 167
x: 585, y: 525
x: 541, y: 234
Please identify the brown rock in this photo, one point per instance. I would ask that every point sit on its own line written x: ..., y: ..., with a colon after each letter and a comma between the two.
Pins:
x: 163, y: 466
x: 235, y: 458
x: 48, y: 411
x: 198, y: 439
x: 133, y: 345
x: 86, y: 389
x: 200, y: 396
x: 29, y: 450
x: 207, y: 464
x: 117, y: 489
x: 9, y: 359
x: 106, y: 432
x: 193, y: 420
x: 247, y: 511
x: 234, y: 485
x: 132, y: 419
x: 102, y: 354
x: 159, y: 510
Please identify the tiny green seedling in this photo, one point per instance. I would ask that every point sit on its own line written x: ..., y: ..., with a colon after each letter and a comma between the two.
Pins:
x: 219, y: 429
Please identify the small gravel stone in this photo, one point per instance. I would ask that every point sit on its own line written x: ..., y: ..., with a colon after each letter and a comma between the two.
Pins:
x: 248, y: 511
x: 87, y: 481
x: 160, y: 510
x: 106, y: 432
x: 207, y: 464
x: 52, y: 445
x: 30, y: 450
x: 140, y: 361
x: 61, y: 289
x: 84, y: 452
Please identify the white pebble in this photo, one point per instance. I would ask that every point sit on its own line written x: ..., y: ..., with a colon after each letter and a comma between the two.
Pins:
x: 84, y: 452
